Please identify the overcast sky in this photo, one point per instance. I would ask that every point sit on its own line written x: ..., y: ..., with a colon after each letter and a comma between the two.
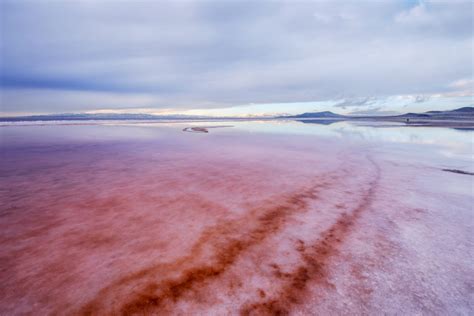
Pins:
x: 235, y: 57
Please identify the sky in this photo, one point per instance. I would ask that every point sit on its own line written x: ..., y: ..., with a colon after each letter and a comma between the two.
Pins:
x: 240, y: 58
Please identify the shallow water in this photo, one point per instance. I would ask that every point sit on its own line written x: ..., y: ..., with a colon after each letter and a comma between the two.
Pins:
x: 258, y: 218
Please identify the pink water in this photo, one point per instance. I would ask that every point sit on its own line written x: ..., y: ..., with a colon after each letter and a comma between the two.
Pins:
x: 152, y: 220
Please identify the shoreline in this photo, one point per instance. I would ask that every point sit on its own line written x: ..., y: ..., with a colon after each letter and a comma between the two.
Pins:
x: 461, y: 123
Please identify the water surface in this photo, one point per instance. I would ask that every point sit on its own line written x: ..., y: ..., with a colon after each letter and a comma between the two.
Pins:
x: 261, y: 217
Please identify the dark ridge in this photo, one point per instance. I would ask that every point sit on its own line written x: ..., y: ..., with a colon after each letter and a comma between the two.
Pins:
x: 459, y: 171
x: 203, y: 129
x: 196, y: 129
x: 465, y: 109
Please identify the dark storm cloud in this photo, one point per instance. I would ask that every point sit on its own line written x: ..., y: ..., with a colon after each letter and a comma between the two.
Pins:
x: 195, y: 54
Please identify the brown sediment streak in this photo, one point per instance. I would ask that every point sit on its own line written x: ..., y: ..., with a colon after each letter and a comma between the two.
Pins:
x: 315, y: 257
x: 226, y: 242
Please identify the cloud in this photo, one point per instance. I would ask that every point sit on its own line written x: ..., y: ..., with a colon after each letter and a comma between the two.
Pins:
x: 446, y: 18
x: 415, y: 15
x: 465, y: 84
x: 54, y: 100
x: 421, y: 98
x: 207, y: 54
x: 356, y: 102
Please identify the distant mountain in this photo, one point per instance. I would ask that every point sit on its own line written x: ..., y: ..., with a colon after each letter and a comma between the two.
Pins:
x: 461, y: 113
x: 466, y: 109
x: 324, y: 114
x: 100, y: 117
x: 458, y: 114
x: 464, y: 113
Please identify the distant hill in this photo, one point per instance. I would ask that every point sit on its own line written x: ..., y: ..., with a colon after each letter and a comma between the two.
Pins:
x: 458, y: 114
x: 461, y: 113
x: 464, y: 113
x: 99, y: 117
x: 324, y: 114
x: 466, y: 109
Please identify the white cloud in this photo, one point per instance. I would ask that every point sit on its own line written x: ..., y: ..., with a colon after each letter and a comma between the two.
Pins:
x: 415, y: 15
x: 466, y: 84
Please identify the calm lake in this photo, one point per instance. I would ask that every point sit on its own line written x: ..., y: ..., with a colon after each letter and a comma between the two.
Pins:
x: 255, y: 217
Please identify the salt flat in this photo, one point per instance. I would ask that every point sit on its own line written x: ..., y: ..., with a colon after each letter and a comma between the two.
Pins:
x: 255, y: 218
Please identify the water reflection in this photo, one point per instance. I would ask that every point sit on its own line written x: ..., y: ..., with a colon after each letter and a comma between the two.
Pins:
x: 449, y: 142
x: 103, y: 216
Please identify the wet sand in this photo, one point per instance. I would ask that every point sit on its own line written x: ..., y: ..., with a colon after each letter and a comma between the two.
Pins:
x: 228, y: 223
